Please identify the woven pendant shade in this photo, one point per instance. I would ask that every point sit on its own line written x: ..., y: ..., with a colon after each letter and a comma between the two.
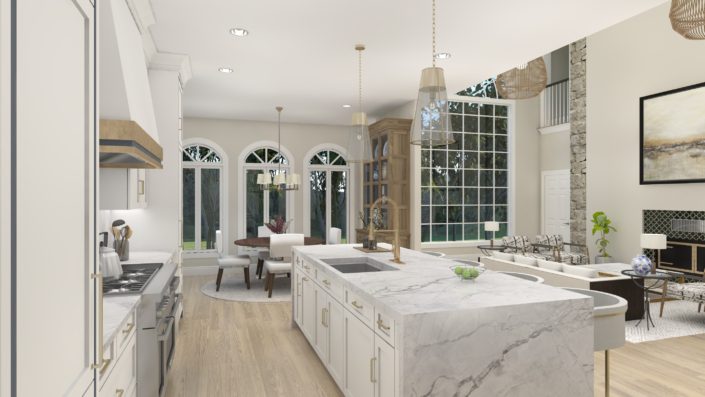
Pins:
x: 523, y: 82
x: 688, y: 18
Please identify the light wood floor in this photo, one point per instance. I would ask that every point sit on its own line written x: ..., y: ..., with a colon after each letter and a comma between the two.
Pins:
x: 250, y: 349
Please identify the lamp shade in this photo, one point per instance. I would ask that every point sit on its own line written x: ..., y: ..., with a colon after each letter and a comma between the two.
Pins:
x: 359, y: 148
x: 430, y: 126
x: 653, y: 241
x: 280, y: 179
x: 293, y: 179
x: 491, y: 226
x: 525, y: 81
x: 264, y: 178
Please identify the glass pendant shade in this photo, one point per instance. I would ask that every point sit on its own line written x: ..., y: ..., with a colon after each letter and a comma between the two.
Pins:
x: 359, y: 147
x: 430, y: 126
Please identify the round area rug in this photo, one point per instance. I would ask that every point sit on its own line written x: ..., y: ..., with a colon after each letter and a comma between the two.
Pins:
x: 233, y: 288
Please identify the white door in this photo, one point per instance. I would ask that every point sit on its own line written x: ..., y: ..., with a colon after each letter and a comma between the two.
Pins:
x: 555, y: 201
x: 384, y: 368
x: 55, y: 196
x: 321, y: 324
x: 360, y: 354
x: 308, y: 315
x: 336, y: 340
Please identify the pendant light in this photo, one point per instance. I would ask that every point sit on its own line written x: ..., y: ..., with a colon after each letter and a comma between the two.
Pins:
x: 524, y: 81
x: 430, y: 126
x: 282, y: 180
x: 359, y: 148
x: 688, y: 18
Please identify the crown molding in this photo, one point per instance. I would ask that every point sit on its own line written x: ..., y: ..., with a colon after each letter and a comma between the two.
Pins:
x: 179, y: 63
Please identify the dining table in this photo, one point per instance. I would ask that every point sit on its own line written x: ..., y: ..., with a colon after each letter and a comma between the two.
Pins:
x: 263, y: 242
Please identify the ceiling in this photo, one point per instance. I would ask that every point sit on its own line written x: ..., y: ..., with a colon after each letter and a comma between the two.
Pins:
x: 300, y: 54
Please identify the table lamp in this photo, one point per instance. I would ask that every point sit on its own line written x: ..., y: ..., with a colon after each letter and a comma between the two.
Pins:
x: 491, y: 226
x: 655, y: 242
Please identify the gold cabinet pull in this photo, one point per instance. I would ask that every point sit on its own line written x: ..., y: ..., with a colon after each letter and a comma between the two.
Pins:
x: 357, y: 305
x: 382, y: 326
x: 129, y: 328
x: 327, y: 283
x: 304, y: 278
x: 373, y: 361
x: 119, y: 392
x: 102, y: 363
x: 140, y: 187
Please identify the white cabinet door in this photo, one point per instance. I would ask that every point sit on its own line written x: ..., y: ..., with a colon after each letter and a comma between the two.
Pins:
x: 298, y: 298
x: 359, y: 353
x: 385, y: 381
x: 336, y: 341
x: 321, y: 345
x: 309, y: 309
x: 54, y: 233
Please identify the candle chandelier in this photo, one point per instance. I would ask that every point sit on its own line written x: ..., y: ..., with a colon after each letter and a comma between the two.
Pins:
x: 282, y: 180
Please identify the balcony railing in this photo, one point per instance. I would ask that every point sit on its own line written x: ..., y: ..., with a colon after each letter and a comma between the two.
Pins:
x: 555, y: 109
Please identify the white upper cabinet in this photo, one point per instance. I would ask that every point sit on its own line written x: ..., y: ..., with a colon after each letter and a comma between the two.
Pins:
x: 123, y: 189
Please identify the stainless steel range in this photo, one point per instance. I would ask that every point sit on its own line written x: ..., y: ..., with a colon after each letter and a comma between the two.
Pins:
x: 133, y: 280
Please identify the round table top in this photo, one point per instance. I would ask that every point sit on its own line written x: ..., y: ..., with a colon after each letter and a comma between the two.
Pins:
x: 260, y: 242
x: 659, y: 275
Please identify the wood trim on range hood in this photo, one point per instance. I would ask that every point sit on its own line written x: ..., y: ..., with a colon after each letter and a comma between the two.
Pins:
x: 124, y: 144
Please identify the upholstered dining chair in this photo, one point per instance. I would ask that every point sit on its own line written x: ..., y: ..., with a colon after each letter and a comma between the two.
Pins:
x: 335, y: 235
x: 280, y: 257
x: 230, y: 261
x: 263, y: 254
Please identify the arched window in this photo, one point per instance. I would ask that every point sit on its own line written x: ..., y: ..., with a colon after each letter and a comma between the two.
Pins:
x: 203, y: 196
x: 262, y: 206
x: 326, y: 196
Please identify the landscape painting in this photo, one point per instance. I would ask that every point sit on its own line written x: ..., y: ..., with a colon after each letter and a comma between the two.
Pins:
x: 673, y: 136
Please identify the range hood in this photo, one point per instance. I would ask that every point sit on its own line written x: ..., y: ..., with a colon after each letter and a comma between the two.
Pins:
x: 128, y: 126
x: 124, y: 144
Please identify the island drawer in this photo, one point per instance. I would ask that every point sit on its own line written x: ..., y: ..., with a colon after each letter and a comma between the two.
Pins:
x: 308, y: 268
x: 330, y: 284
x: 359, y: 307
x: 384, y: 326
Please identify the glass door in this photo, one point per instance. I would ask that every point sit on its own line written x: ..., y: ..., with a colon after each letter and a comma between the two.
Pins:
x: 328, y: 202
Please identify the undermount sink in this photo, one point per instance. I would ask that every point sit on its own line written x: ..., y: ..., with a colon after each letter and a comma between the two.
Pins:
x: 360, y: 264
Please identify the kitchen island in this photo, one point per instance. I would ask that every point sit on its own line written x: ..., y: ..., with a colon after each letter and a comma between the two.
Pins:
x: 417, y: 330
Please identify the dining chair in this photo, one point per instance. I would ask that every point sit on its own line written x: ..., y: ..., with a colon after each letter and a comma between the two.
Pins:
x: 230, y: 261
x: 280, y: 261
x: 334, y: 235
x: 263, y: 254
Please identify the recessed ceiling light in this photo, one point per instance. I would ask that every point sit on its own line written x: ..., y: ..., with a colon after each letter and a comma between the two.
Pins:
x: 225, y: 70
x: 347, y: 106
x: 239, y: 32
x: 442, y: 55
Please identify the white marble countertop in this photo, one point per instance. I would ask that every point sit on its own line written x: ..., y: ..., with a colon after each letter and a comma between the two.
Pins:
x: 115, y: 314
x: 425, y: 283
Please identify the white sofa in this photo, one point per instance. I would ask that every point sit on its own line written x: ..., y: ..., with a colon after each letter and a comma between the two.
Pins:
x: 605, y: 281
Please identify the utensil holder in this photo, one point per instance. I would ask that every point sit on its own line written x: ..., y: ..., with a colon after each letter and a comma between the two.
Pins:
x: 122, y: 247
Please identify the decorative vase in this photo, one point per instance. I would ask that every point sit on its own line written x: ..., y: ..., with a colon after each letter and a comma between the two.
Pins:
x: 603, y: 259
x: 641, y: 265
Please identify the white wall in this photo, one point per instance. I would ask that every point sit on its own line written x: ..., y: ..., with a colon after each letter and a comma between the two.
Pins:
x: 638, y: 57
x: 555, y: 151
x: 527, y: 175
x: 235, y: 135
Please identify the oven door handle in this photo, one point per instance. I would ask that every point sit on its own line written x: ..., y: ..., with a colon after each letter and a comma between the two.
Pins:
x: 167, y: 330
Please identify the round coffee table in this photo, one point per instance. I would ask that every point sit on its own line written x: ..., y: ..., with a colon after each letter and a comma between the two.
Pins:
x: 658, y: 280
x: 485, y: 249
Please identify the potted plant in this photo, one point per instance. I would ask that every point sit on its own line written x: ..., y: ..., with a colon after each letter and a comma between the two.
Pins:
x: 602, y: 224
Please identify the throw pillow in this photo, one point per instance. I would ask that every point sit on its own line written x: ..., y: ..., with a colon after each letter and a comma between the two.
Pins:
x: 580, y: 271
x: 525, y: 260
x: 550, y: 265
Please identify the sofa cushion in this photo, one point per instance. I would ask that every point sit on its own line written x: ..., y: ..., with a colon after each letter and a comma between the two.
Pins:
x: 503, y: 256
x: 525, y: 260
x: 554, y: 240
x: 550, y: 265
x: 580, y: 271
x: 519, y: 243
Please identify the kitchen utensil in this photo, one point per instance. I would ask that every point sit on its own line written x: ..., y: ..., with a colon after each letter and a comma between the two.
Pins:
x: 110, y: 265
x: 116, y: 233
x: 129, y: 232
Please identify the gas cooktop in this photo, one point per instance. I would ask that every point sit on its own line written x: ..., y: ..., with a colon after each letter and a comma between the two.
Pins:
x: 133, y: 280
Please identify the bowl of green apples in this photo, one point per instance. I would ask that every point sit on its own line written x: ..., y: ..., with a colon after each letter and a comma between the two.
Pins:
x: 467, y: 272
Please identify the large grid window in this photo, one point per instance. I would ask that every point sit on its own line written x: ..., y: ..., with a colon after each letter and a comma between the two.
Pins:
x: 466, y: 183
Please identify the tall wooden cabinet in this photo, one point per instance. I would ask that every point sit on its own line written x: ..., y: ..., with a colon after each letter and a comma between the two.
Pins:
x: 388, y: 175
x: 52, y: 236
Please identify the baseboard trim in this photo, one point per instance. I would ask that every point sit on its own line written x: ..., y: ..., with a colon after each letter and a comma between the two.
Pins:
x: 199, y: 270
